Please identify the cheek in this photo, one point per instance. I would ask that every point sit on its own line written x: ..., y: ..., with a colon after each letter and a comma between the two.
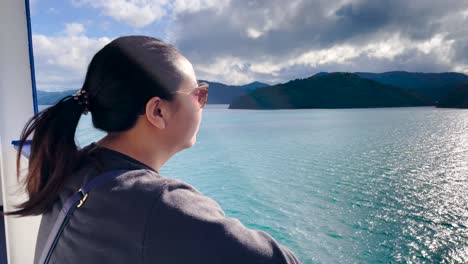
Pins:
x: 187, y: 128
x: 195, y: 120
x: 190, y: 119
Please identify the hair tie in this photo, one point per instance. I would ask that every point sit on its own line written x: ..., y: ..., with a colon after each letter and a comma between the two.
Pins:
x: 83, y: 100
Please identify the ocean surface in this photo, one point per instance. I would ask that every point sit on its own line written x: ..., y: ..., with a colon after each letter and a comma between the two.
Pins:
x: 336, y: 186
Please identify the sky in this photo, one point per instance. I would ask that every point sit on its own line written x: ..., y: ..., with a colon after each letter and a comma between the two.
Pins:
x: 272, y: 41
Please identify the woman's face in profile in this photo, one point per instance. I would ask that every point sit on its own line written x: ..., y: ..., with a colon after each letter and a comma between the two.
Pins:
x: 188, y: 116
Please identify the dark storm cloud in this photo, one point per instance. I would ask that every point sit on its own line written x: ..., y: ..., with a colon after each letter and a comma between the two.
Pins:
x: 287, y: 29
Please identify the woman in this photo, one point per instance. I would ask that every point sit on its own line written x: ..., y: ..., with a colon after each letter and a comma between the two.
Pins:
x: 144, y: 94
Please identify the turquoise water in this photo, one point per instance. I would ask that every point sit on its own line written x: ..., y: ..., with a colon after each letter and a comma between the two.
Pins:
x: 337, y: 186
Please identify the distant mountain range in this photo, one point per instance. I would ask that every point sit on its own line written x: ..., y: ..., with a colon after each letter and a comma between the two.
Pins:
x: 335, y: 90
x: 50, y: 98
x: 435, y: 86
x: 219, y: 93
x: 224, y: 94
x: 329, y: 90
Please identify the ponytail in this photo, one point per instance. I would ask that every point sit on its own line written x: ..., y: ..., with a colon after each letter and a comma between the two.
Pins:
x: 54, y: 155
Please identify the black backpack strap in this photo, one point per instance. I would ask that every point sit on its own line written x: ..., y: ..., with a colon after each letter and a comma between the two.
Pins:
x: 75, y: 201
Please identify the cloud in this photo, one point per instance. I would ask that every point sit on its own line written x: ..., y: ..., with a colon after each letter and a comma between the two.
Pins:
x: 52, y: 11
x: 402, y: 53
x: 237, y: 69
x: 136, y: 13
x: 141, y: 13
x: 193, y: 6
x: 74, y: 29
x: 275, y: 41
x: 61, y: 61
x: 253, y: 33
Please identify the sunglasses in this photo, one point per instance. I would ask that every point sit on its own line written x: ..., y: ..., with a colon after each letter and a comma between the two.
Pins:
x: 201, y: 92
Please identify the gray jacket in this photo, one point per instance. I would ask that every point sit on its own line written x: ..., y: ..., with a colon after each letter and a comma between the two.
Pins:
x: 142, y: 217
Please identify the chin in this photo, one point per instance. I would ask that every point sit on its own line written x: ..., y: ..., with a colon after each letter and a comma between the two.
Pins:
x: 190, y: 143
x: 194, y: 140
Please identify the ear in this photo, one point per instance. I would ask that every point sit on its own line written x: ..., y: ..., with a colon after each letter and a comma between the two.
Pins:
x: 157, y: 112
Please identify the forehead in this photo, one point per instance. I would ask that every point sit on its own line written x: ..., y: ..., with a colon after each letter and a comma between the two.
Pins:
x: 187, y: 73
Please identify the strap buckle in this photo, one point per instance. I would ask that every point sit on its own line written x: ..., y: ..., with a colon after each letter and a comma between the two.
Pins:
x: 84, y: 196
